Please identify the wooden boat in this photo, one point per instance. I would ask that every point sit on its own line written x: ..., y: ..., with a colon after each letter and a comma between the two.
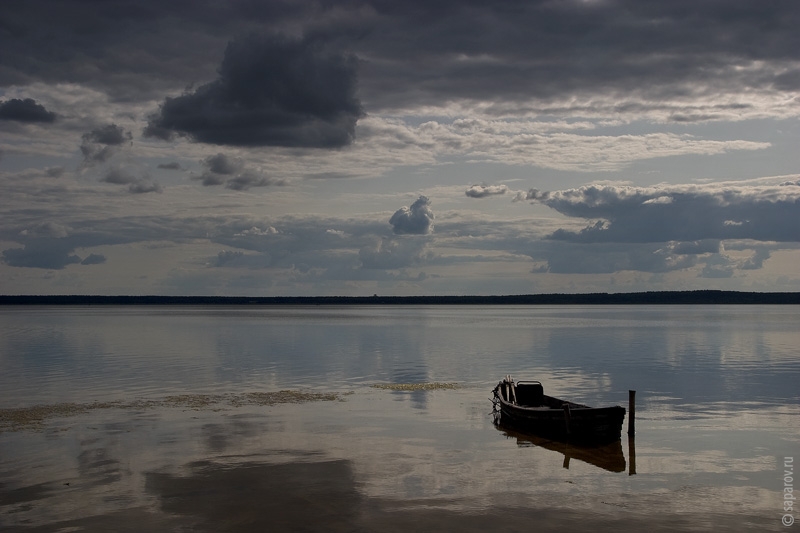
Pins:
x: 524, y: 407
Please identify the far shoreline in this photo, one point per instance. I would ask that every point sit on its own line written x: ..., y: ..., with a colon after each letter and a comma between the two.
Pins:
x: 700, y: 297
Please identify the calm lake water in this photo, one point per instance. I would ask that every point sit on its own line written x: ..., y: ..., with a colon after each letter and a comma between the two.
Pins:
x: 163, y: 418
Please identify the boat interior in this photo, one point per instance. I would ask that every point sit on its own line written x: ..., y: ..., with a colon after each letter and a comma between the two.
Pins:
x: 531, y: 394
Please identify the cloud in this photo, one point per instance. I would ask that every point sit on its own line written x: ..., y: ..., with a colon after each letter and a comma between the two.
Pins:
x: 757, y: 260
x: 706, y: 246
x: 414, y: 220
x: 229, y: 258
x: 25, y: 110
x: 669, y: 227
x: 319, y: 249
x: 482, y: 191
x: 564, y: 55
x: 119, y: 175
x: 392, y: 254
x: 718, y: 267
x: 209, y: 179
x: 456, y: 92
x: 221, y: 169
x: 678, y: 212
x: 54, y: 172
x: 249, y: 179
x: 53, y: 254
x: 110, y: 135
x: 258, y: 231
x: 271, y: 91
x: 46, y: 230
x: 94, y: 259
x: 222, y: 164
x: 528, y: 141
x: 608, y: 258
x: 674, y: 59
x: 145, y: 186
x: 100, y: 144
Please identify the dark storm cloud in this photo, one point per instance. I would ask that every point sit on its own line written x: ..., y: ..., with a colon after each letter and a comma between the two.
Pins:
x: 26, y: 110
x: 414, y: 220
x: 271, y: 91
x: 678, y: 213
x: 100, y: 145
x: 414, y: 52
x: 482, y: 191
x: 129, y: 50
x: 544, y: 50
x: 170, y: 166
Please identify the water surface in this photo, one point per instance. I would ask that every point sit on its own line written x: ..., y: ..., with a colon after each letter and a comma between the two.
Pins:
x: 717, y: 413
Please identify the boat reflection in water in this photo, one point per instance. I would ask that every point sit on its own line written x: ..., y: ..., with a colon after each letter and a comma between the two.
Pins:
x: 608, y: 456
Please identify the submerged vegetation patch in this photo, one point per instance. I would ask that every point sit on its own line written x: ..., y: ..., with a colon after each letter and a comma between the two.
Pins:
x: 416, y: 386
x: 15, y: 419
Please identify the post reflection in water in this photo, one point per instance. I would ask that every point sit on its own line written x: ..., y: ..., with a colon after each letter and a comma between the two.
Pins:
x: 632, y: 454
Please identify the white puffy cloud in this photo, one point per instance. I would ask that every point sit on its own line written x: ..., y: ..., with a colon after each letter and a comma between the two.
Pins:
x: 482, y: 191
x: 416, y: 219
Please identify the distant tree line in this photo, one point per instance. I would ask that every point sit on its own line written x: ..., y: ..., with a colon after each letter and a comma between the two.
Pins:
x: 628, y: 298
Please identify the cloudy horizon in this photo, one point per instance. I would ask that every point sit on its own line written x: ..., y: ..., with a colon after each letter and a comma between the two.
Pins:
x: 276, y: 148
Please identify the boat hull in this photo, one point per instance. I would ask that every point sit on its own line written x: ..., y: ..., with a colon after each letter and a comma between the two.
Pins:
x: 555, y: 418
x: 584, y: 424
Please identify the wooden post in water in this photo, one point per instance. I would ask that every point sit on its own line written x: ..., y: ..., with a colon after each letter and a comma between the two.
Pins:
x: 567, y: 416
x: 631, y: 413
x: 632, y: 432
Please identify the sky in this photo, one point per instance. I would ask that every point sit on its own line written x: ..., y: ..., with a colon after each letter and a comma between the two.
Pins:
x: 415, y: 147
